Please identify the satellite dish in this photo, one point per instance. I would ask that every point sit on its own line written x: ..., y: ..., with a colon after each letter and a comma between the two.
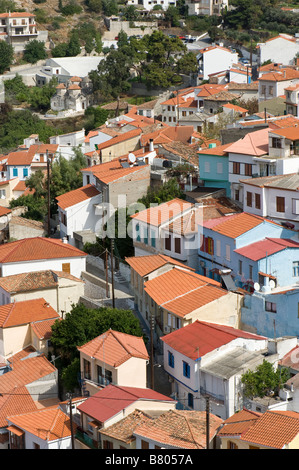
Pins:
x: 256, y: 286
x: 272, y: 284
x: 132, y: 157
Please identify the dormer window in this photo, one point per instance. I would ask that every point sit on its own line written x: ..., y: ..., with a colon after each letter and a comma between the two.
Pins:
x: 276, y: 143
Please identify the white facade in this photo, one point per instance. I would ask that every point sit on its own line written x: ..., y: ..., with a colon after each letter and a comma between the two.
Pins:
x: 76, y: 265
x: 206, y: 7
x: 67, y: 142
x: 281, y: 50
x: 269, y: 89
x: 149, y: 4
x: 79, y: 217
x: 214, y: 59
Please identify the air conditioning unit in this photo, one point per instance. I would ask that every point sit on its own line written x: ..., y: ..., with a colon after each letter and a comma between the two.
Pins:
x: 166, y: 329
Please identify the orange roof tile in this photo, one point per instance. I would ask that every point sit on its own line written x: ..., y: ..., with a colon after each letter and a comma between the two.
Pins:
x: 49, y: 424
x: 115, y: 348
x: 219, y: 150
x: 174, y: 283
x: 183, y: 429
x: 76, y: 196
x: 123, y: 429
x: 23, y: 14
x: 235, y: 225
x: 291, y: 133
x: 280, y: 76
x: 43, y: 329
x: 274, y: 429
x: 163, y: 212
x: 144, y: 265
x: 75, y: 79
x: 37, y: 248
x: 20, y: 401
x: 74, y: 87
x: 254, y: 143
x: 112, y: 171
x: 26, y: 311
x: 235, y: 108
x: 238, y: 423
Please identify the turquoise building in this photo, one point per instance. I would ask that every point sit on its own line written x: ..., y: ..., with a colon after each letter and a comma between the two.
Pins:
x: 213, y: 167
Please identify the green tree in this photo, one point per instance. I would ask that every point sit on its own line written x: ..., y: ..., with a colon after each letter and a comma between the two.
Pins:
x: 110, y: 7
x: 83, y: 324
x: 172, y: 16
x: 130, y: 13
x: 37, y: 207
x: 94, y: 5
x: 6, y: 56
x: 7, y: 5
x: 170, y: 190
x: 60, y: 50
x: 34, y: 51
x: 264, y: 380
x: 74, y: 48
x: 40, y: 97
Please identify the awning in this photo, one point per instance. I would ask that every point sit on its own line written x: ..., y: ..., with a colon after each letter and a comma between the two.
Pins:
x: 15, y: 430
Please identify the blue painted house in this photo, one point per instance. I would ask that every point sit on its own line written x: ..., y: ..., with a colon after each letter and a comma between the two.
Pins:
x: 273, y: 313
x: 253, y: 248
x: 213, y: 167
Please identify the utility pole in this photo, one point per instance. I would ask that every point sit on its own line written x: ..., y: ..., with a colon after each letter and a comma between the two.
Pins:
x: 152, y: 352
x: 49, y: 201
x: 71, y: 420
x: 112, y: 274
x: 207, y: 422
x: 106, y: 270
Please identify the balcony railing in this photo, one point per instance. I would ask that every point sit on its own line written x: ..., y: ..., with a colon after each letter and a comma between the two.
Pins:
x: 83, y: 437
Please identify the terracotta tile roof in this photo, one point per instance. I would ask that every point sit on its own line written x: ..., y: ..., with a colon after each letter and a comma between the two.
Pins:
x: 34, y: 280
x: 211, y: 48
x: 174, y: 283
x: 112, y: 399
x: 219, y: 150
x: 22, y: 157
x: 291, y: 133
x: 60, y: 86
x: 75, y: 79
x: 274, y: 429
x: 123, y: 429
x: 26, y: 369
x: 280, y: 76
x: 43, y: 329
x: 74, y: 87
x: 144, y: 265
x: 235, y: 225
x: 266, y: 247
x: 113, y: 106
x: 292, y: 39
x: 223, y: 96
x: 19, y: 401
x: 163, y: 212
x: 26, y: 311
x: 180, y: 429
x: 113, y: 171
x: 115, y: 348
x: 168, y: 135
x: 49, y: 424
x: 199, y: 338
x: 37, y: 248
x: 283, y: 121
x: 116, y: 140
x: 23, y: 14
x: 4, y: 211
x: 238, y: 423
x: 254, y: 143
x: 187, y: 152
x: 243, y: 86
x: 235, y: 108
x: 209, y: 89
x: 76, y: 196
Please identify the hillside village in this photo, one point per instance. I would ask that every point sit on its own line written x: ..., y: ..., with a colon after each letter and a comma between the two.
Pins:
x: 149, y: 220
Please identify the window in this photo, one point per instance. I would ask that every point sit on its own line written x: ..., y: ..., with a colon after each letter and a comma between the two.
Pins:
x: 15, y: 172
x: 25, y: 172
x: 227, y: 252
x: 295, y: 206
x: 219, y: 168
x: 66, y: 268
x: 270, y: 307
x: 276, y: 143
x: 257, y: 198
x: 168, y: 108
x: 153, y: 239
x: 263, y: 89
x: 249, y: 199
x: 231, y: 445
x: 250, y: 271
x: 107, y: 445
x: 170, y: 359
x: 190, y: 400
x: 2, y: 194
x: 104, y: 374
x: 168, y: 242
x: 218, y: 248
x: 186, y: 370
x: 86, y: 369
x: 248, y: 169
x: 271, y: 90
x: 240, y: 267
x: 295, y: 268
x: 280, y: 204
x: 207, y: 245
x: 169, y: 119
x: 237, y: 194
x: 184, y: 113
x: 145, y: 236
x: 173, y: 108
x: 144, y: 444
x: 236, y: 168
x: 177, y: 245
x: 36, y: 446
x: 207, y: 167
x: 178, y: 323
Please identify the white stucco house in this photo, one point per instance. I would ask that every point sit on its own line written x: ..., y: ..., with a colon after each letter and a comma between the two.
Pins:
x: 211, y: 59
x: 206, y: 359
x: 279, y: 49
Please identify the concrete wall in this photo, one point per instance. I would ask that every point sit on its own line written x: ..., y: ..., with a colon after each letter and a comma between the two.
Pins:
x: 114, y: 28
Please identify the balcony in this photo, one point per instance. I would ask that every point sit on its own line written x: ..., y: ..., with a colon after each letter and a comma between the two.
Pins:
x: 83, y: 437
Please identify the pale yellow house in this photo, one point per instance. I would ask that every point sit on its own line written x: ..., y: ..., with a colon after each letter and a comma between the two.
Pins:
x: 58, y: 288
x: 270, y: 430
x: 24, y: 324
x: 113, y: 357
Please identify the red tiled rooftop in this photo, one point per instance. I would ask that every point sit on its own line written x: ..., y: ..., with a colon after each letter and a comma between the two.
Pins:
x: 112, y: 171
x: 266, y: 247
x: 254, y: 143
x: 233, y: 226
x: 163, y: 212
x: 199, y: 338
x: 144, y: 265
x: 115, y: 348
x: 26, y: 311
x: 76, y: 196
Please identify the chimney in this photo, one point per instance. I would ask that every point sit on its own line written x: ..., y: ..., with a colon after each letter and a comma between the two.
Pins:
x: 64, y: 240
x: 151, y: 145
